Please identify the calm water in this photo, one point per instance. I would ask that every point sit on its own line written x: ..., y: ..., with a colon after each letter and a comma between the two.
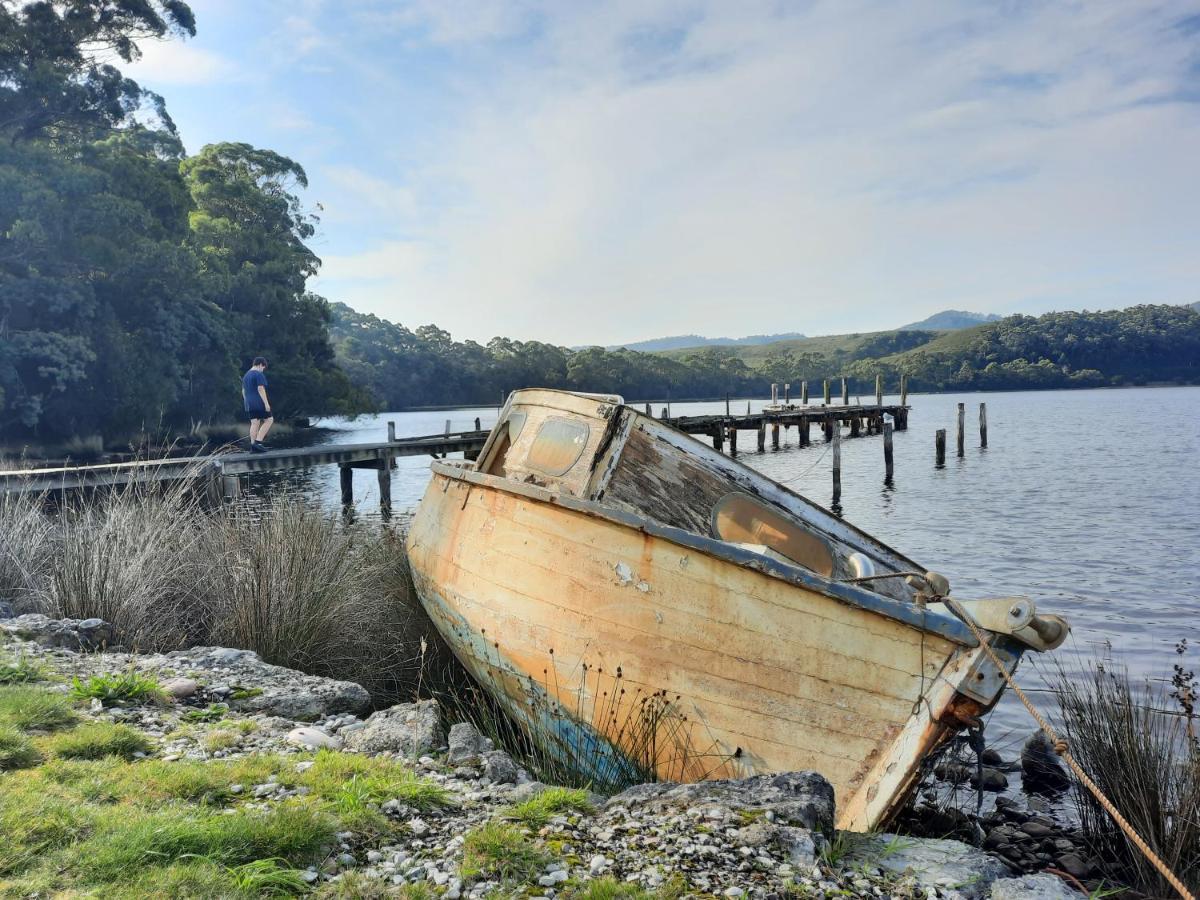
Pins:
x: 1087, y: 501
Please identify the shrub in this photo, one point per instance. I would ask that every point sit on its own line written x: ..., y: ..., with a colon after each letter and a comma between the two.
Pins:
x: 100, y: 740
x: 501, y: 851
x: 26, y: 550
x: 112, y: 688
x: 16, y: 751
x: 1146, y: 759
x: 33, y: 708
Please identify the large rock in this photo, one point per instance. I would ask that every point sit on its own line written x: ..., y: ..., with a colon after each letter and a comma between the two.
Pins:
x: 794, y: 798
x: 956, y: 869
x: 71, y: 634
x: 467, y: 745
x: 258, y: 687
x: 1032, y: 887
x: 409, y: 729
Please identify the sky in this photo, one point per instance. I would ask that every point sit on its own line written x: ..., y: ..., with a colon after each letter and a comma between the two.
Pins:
x: 588, y: 172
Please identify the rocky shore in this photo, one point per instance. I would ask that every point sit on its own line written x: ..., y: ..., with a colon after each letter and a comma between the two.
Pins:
x: 470, y: 822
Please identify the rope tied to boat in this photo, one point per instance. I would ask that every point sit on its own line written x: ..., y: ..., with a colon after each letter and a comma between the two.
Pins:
x: 1063, y: 749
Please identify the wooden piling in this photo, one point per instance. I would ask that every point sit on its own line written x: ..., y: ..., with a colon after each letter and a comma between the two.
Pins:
x: 804, y: 393
x: 845, y: 393
x: 747, y: 407
x: 803, y: 434
x: 649, y: 411
x: 939, y: 447
x: 727, y: 403
x: 825, y: 394
x: 837, y: 463
x: 962, y: 429
x: 762, y: 435
x: 718, y: 438
x: 478, y: 424
x: 391, y: 432
x: 855, y: 426
x: 774, y: 394
x: 384, y: 473
x: 827, y: 427
x: 732, y: 441
x: 879, y: 390
x: 774, y: 435
x: 904, y: 390
x: 787, y: 392
x: 983, y: 425
x: 347, y: 479
x: 887, y: 452
x: 665, y: 413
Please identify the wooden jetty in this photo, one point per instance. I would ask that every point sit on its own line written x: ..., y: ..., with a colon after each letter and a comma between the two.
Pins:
x: 861, y: 419
x: 221, y: 471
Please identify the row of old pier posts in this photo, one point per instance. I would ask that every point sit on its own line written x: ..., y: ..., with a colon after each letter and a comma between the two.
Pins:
x: 939, y: 438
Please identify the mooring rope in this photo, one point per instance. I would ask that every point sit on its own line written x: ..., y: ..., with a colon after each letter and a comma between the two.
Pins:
x: 1060, y: 747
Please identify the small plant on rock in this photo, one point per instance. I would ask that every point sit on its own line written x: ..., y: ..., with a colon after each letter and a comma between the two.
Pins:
x: 501, y: 851
x: 541, y: 808
x: 113, y: 688
x: 214, y: 712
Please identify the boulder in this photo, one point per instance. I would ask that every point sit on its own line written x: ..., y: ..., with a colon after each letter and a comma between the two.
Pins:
x: 1040, y: 765
x: 250, y: 685
x: 499, y: 767
x: 179, y: 688
x: 314, y: 739
x: 1032, y: 887
x: 70, y: 634
x: 466, y: 745
x: 955, y: 869
x: 794, y: 798
x: 409, y: 729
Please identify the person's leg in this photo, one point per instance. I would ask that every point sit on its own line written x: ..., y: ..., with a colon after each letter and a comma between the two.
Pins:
x: 266, y: 426
x: 254, y: 431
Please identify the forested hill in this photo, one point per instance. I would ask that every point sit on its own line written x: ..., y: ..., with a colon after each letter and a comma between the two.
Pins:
x: 1142, y: 344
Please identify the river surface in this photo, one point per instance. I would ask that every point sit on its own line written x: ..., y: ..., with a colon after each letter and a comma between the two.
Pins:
x: 1087, y: 501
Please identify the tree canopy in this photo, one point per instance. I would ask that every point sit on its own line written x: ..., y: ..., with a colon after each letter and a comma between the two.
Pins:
x: 136, y: 282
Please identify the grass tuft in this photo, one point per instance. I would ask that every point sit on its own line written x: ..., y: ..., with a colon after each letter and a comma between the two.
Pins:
x: 214, y: 712
x: 30, y: 708
x: 100, y: 740
x: 117, y: 687
x: 541, y: 808
x: 22, y: 670
x: 16, y: 750
x: 500, y: 851
x: 267, y: 878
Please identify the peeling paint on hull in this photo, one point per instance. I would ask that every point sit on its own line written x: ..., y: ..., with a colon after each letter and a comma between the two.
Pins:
x: 574, y: 618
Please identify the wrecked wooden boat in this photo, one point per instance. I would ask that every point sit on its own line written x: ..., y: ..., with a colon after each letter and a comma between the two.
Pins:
x: 644, y: 603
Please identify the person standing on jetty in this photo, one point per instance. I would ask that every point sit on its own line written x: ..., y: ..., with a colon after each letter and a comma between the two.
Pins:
x: 258, y: 407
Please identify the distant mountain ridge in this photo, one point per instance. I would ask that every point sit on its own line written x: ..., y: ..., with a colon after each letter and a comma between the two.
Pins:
x: 951, y: 320
x: 679, y: 341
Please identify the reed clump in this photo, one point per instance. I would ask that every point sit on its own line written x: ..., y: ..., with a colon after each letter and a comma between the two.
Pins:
x: 1141, y: 745
x: 290, y: 582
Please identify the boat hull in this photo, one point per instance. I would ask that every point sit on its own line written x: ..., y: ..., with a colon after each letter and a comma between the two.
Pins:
x: 638, y: 646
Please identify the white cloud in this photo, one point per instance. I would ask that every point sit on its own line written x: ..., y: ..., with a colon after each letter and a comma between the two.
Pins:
x: 175, y: 62
x: 648, y: 167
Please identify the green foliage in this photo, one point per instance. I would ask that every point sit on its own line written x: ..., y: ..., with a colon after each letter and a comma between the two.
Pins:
x: 501, y: 851
x: 22, y: 670
x: 117, y: 687
x: 539, y: 809
x: 214, y: 712
x: 16, y: 750
x: 32, y: 708
x: 267, y: 877
x: 608, y: 888
x: 100, y: 740
x: 351, y: 781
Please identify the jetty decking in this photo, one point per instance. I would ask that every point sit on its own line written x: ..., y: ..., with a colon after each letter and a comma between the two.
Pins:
x: 862, y: 419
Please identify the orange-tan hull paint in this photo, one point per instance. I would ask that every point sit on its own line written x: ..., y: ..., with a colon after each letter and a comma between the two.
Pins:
x: 772, y: 677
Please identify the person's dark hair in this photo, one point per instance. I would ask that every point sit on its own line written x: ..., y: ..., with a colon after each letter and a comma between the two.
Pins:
x: 259, y: 361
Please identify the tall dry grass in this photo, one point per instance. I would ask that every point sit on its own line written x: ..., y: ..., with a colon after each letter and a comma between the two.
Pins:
x: 1138, y: 742
x: 291, y: 583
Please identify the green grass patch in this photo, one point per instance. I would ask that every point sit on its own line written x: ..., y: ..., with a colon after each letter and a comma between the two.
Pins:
x: 20, y: 671
x: 541, y: 808
x: 608, y: 888
x: 16, y: 750
x: 98, y: 741
x: 32, y: 708
x: 113, y: 688
x: 501, y: 851
x: 214, y: 712
x: 222, y: 739
x: 352, y: 780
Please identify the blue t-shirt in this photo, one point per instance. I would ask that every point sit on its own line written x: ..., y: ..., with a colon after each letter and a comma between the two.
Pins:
x: 250, y: 382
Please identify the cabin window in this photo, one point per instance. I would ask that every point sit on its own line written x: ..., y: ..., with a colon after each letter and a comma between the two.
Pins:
x: 740, y: 519
x: 558, y: 445
x: 504, y: 441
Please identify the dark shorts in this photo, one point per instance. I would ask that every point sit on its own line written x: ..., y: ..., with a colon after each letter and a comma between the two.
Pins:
x: 259, y: 413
